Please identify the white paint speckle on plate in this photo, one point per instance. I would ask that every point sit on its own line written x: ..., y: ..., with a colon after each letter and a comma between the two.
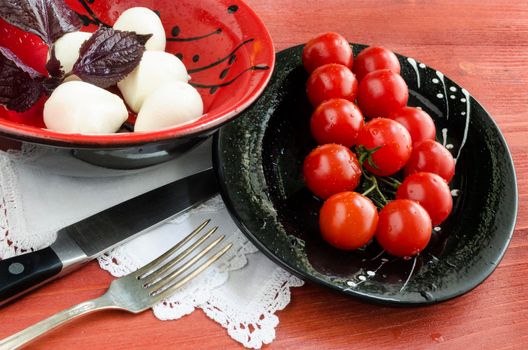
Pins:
x: 412, y: 62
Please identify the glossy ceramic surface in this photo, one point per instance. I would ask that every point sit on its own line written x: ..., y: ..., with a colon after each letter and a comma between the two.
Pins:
x: 224, y: 45
x: 259, y: 162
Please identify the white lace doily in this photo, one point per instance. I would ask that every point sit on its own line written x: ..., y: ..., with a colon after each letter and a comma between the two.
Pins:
x: 43, y: 190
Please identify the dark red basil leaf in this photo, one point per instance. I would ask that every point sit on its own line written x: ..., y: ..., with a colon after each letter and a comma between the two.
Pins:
x: 10, y: 56
x: 143, y: 38
x: 108, y: 56
x: 20, y: 85
x: 49, y: 19
x: 50, y: 84
x: 53, y: 66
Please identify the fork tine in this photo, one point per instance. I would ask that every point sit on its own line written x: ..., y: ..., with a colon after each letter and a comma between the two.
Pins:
x: 157, y: 278
x: 150, y: 276
x: 161, y: 293
x: 142, y: 271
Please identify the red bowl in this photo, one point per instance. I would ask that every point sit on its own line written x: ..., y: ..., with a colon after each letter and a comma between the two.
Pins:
x: 224, y: 45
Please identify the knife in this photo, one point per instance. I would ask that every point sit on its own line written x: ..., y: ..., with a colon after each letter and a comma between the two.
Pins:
x: 85, y: 240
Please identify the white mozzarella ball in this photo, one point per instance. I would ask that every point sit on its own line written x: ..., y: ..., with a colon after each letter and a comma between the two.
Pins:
x: 79, y: 107
x: 155, y: 69
x: 67, y: 48
x: 171, y: 104
x: 143, y: 21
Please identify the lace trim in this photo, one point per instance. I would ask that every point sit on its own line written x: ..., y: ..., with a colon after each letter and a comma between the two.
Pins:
x: 257, y: 328
x: 12, y: 223
x: 253, y: 327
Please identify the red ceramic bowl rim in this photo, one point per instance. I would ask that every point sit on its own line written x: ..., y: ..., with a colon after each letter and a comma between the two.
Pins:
x: 46, y: 136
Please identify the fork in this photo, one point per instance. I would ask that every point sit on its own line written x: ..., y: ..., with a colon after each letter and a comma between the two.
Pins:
x: 137, y: 291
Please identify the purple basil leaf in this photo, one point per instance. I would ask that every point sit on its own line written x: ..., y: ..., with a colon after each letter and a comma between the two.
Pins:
x: 10, y: 56
x: 20, y: 85
x: 49, y: 19
x: 143, y: 38
x: 108, y: 56
x: 50, y: 84
x: 53, y: 66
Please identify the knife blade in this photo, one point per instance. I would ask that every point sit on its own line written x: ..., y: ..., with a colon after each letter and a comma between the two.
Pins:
x: 85, y: 240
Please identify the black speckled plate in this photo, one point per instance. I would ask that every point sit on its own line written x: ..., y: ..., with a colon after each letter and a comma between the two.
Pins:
x: 259, y: 162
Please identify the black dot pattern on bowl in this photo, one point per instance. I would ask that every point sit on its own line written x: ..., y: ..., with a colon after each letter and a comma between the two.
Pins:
x: 214, y: 87
x: 232, y: 9
x: 91, y: 18
x: 175, y: 31
x: 224, y: 73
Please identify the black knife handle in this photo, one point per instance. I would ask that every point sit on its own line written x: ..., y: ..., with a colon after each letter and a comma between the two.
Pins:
x: 24, y: 272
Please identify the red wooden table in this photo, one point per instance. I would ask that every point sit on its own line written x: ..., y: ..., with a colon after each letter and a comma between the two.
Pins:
x: 483, y: 45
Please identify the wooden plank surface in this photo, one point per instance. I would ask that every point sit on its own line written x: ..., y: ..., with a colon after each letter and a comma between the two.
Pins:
x: 482, y: 45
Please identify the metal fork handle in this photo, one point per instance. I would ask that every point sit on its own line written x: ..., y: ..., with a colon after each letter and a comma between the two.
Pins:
x: 31, y: 333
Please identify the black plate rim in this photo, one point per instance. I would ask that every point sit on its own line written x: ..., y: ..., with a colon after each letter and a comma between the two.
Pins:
x: 466, y: 287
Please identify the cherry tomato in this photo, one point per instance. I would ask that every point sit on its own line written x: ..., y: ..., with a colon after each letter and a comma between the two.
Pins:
x: 375, y: 58
x: 331, y: 81
x: 431, y: 192
x: 404, y: 228
x: 419, y: 124
x: 348, y: 220
x: 395, y: 143
x: 432, y: 157
x: 336, y: 121
x: 330, y: 169
x: 327, y: 48
x: 382, y: 92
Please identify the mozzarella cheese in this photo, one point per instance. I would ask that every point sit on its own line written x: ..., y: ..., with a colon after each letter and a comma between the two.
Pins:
x: 143, y: 21
x: 67, y: 48
x: 79, y: 107
x: 155, y: 69
x: 174, y: 103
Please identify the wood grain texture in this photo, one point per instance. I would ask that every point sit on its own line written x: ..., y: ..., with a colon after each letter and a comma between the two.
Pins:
x: 483, y: 46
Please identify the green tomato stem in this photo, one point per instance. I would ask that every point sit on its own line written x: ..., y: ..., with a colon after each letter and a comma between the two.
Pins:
x: 377, y: 203
x: 370, y: 189
x: 390, y: 182
x: 394, y: 180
